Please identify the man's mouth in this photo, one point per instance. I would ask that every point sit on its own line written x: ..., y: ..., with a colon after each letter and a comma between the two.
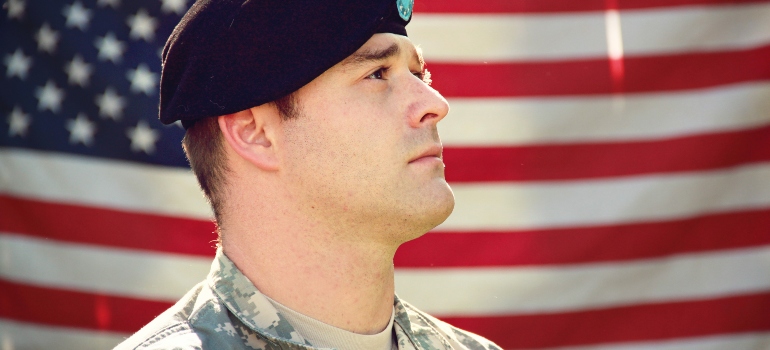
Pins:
x: 434, y: 151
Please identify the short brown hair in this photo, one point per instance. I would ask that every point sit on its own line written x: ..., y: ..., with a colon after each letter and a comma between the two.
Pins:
x: 204, y: 146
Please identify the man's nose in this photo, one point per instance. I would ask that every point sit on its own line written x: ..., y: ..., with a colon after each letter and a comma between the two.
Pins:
x: 429, y: 107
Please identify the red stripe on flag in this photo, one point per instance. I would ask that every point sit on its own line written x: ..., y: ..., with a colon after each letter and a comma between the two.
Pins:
x: 609, y: 159
x: 643, y: 322
x: 555, y: 6
x: 58, y: 307
x: 106, y: 227
x: 86, y: 225
x: 587, y: 244
x: 593, y: 76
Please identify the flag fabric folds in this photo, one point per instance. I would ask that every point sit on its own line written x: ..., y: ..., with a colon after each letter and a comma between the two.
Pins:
x: 610, y: 162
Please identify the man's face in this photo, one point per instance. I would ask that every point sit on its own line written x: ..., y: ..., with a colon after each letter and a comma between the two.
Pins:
x: 364, y: 151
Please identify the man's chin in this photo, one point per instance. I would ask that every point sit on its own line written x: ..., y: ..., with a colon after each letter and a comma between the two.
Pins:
x: 442, y: 212
x: 435, y: 211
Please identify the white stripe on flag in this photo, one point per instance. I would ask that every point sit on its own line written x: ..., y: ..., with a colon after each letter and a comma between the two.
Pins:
x: 484, y: 291
x: 101, y: 182
x: 491, y: 38
x: 479, y: 206
x: 607, y: 201
x: 696, y: 28
x: 119, y: 272
x: 520, y: 121
x: 28, y: 336
x: 496, y: 38
x: 523, y: 290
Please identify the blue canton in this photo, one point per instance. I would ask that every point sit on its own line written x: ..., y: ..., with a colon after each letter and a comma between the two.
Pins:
x: 81, y: 77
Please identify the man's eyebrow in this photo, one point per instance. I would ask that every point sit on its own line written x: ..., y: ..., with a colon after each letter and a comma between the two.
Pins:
x: 375, y: 55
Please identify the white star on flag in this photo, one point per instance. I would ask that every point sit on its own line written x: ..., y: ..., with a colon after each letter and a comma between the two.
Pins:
x: 175, y: 6
x: 47, y: 39
x: 142, y: 26
x: 110, y: 48
x: 110, y: 104
x: 18, y: 64
x: 111, y: 3
x: 142, y: 79
x: 81, y: 130
x: 78, y: 71
x: 77, y: 16
x: 143, y: 138
x: 15, y: 8
x: 49, y: 97
x: 18, y: 122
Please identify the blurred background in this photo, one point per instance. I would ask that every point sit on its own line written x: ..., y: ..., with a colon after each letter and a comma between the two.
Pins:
x: 610, y: 161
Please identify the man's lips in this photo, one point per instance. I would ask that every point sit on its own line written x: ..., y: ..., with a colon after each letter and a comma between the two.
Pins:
x: 434, y: 151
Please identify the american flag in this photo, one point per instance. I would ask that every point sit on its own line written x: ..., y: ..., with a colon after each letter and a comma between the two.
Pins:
x: 610, y: 161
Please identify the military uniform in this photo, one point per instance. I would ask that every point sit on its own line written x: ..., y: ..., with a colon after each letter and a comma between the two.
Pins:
x: 226, y: 311
x: 227, y: 56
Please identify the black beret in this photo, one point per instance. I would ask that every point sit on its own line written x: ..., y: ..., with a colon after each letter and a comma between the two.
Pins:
x: 229, y: 55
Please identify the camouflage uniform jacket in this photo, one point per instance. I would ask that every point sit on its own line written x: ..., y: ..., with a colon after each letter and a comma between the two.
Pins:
x: 226, y: 311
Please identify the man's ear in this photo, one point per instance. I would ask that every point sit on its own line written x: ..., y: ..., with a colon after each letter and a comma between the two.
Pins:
x: 250, y: 133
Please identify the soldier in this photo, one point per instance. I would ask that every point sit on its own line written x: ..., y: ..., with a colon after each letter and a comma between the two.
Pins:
x: 311, y: 128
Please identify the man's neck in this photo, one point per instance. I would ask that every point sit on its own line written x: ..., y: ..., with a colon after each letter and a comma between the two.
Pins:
x: 344, y: 283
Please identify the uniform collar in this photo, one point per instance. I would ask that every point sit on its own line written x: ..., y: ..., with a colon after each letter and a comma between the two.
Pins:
x: 251, y: 307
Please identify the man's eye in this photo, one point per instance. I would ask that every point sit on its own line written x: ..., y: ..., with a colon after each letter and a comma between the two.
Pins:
x: 377, y: 74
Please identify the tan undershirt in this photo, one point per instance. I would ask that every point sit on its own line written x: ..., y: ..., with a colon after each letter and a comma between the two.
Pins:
x: 327, y: 336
